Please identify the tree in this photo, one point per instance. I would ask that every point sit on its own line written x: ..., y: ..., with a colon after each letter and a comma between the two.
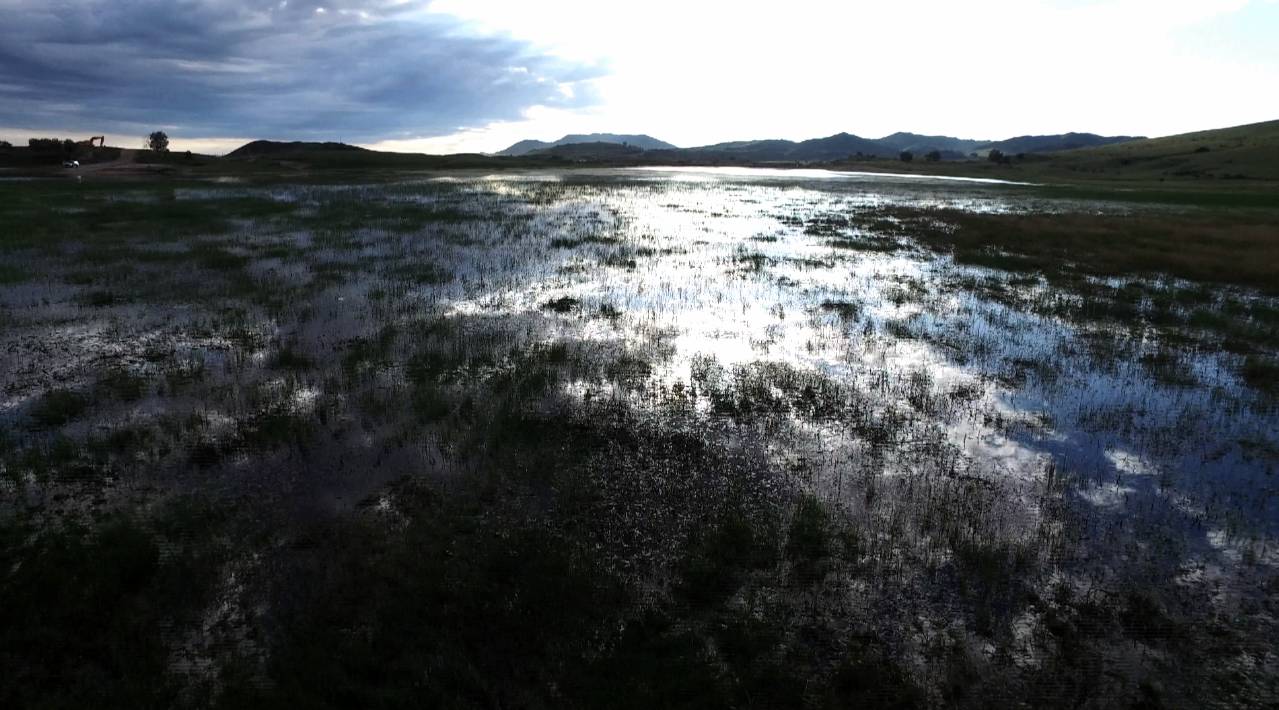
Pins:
x: 996, y: 156
x: 932, y: 156
x: 51, y: 145
x: 907, y: 156
x: 158, y: 141
x: 5, y: 145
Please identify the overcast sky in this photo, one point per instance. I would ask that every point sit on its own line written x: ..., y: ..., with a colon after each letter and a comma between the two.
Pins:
x: 477, y: 75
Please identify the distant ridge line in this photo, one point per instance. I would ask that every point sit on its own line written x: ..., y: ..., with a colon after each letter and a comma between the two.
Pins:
x: 836, y: 147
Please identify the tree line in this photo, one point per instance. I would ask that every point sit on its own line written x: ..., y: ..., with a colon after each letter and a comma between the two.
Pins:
x: 157, y: 141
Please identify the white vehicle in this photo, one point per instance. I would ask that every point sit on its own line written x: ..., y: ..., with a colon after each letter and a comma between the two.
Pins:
x: 70, y: 163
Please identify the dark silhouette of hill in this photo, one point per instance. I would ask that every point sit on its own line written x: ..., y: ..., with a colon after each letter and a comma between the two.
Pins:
x: 741, y: 150
x: 599, y: 150
x: 1249, y: 152
x: 842, y: 146
x: 921, y: 144
x: 1053, y: 143
x: 524, y: 147
x: 836, y: 147
x: 281, y: 148
x: 640, y: 141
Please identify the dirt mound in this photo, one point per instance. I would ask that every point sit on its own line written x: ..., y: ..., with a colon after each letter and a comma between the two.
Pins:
x: 274, y: 148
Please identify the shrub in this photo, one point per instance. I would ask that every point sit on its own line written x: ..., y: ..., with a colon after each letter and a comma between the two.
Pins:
x: 50, y: 145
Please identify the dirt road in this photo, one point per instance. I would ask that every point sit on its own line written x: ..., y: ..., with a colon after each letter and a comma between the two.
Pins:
x: 124, y: 163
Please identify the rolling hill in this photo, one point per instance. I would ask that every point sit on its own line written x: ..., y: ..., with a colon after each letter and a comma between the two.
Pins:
x: 842, y: 146
x: 830, y: 147
x: 920, y: 144
x: 1242, y: 152
x: 264, y: 148
x: 838, y: 146
x: 596, y: 150
x: 1053, y: 143
x: 640, y: 141
x: 1224, y: 156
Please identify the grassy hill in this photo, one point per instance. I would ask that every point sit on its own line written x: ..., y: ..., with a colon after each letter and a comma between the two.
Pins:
x: 920, y: 144
x: 1242, y: 152
x: 1237, y: 165
x: 1054, y: 143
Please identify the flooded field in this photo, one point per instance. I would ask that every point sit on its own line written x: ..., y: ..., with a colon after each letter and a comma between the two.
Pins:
x: 635, y: 438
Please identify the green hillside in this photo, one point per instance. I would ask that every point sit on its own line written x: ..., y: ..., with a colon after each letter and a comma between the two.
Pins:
x: 1241, y: 152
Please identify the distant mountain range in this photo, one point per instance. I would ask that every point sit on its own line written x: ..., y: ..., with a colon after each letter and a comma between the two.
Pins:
x: 1249, y: 152
x: 639, y: 141
x: 837, y: 147
x: 631, y: 148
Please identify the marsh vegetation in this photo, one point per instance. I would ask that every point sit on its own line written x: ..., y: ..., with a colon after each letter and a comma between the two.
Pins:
x: 637, y: 439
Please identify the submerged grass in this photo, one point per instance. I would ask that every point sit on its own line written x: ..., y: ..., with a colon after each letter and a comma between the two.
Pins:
x: 353, y: 445
x: 1222, y: 247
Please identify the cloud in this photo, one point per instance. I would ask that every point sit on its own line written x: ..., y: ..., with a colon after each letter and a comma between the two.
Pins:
x: 702, y: 72
x: 355, y: 70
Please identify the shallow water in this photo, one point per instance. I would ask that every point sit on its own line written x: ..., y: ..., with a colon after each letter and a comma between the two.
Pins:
x: 790, y: 174
x: 927, y: 400
x: 718, y: 264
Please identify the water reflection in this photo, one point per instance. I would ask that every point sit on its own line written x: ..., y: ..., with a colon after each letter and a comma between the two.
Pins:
x: 940, y: 405
x: 790, y: 174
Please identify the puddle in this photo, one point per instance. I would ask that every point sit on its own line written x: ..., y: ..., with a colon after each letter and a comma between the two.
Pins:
x: 359, y: 334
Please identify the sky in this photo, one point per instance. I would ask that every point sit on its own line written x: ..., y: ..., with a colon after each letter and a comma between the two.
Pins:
x: 444, y: 76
